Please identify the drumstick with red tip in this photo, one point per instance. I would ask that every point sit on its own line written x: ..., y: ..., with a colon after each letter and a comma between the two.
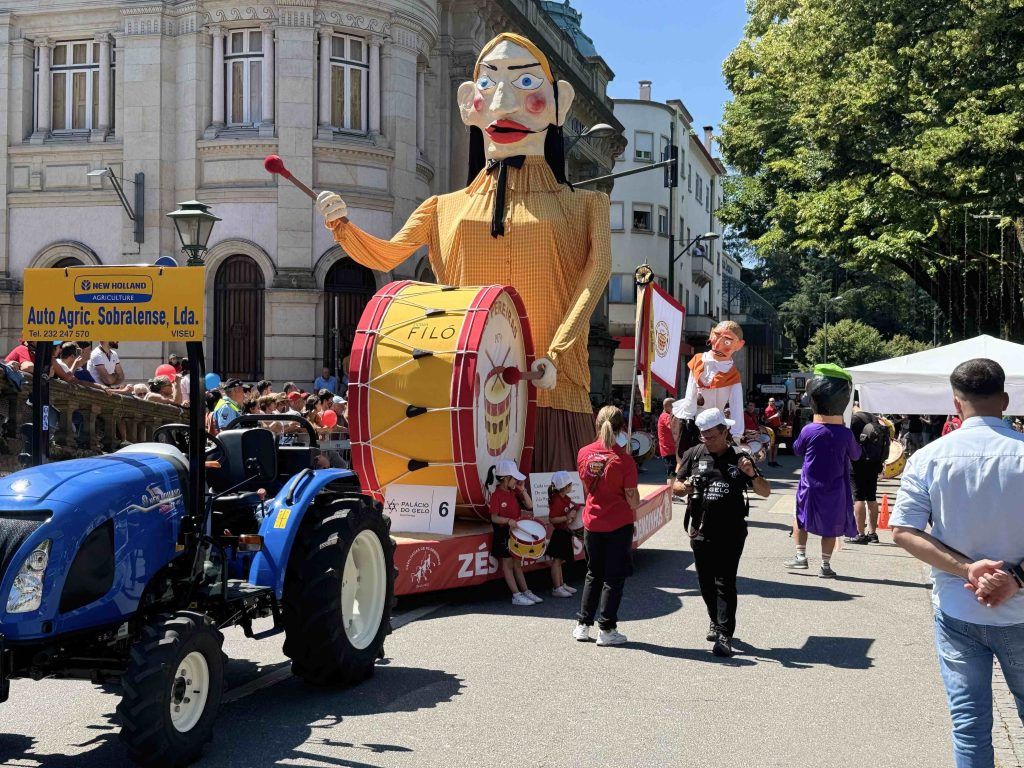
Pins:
x: 274, y: 164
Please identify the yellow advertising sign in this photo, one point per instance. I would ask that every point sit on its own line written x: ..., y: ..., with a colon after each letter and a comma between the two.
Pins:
x: 123, y: 303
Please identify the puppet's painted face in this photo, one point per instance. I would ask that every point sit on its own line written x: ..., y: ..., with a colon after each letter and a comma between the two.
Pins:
x: 724, y: 343
x: 513, y: 102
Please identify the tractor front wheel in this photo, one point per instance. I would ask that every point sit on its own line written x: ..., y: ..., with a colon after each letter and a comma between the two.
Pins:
x: 338, y: 592
x: 172, y: 690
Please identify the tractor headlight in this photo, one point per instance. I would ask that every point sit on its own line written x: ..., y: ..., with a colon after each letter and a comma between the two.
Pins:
x: 27, y: 592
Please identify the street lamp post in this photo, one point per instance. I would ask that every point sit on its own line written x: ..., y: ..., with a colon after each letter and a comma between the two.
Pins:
x: 194, y: 223
x: 596, y: 131
x: 707, y: 237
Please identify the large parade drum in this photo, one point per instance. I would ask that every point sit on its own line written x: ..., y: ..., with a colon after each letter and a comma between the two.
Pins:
x: 435, y: 396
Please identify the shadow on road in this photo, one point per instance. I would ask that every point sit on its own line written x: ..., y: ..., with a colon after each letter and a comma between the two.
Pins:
x: 288, y: 722
x: 765, y: 524
x: 838, y: 652
x: 776, y: 589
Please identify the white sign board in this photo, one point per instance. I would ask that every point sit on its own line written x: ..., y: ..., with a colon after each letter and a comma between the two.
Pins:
x: 539, y: 483
x: 420, y: 508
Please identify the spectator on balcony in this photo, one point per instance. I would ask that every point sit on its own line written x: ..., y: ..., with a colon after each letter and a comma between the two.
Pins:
x: 69, y: 360
x: 289, y: 388
x: 326, y: 381
x: 105, y: 366
x: 22, y: 356
x: 140, y: 390
x: 264, y: 387
x: 186, y: 393
x: 164, y: 390
x: 213, y: 397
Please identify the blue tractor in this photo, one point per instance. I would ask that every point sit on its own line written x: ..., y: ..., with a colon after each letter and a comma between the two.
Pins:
x: 126, y: 567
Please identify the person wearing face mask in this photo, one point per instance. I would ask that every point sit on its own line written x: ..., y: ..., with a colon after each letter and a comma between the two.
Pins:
x: 517, y: 223
x: 714, y: 382
x: 609, y: 477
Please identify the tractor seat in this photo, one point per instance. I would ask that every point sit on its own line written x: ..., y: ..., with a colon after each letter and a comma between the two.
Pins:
x: 250, y: 461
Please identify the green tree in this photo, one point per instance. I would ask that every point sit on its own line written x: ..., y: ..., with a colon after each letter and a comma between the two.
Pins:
x: 850, y: 342
x: 883, y: 133
x: 900, y: 345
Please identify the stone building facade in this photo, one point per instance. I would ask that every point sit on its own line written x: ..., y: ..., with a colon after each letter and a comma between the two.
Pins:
x: 357, y: 97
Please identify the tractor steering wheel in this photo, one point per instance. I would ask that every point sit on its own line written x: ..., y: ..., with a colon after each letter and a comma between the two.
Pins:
x: 178, y: 436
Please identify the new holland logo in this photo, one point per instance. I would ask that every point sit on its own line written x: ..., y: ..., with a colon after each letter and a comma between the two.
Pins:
x: 113, y: 289
x: 661, y: 338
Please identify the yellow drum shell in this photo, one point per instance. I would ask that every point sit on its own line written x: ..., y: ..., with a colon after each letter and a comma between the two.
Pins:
x: 896, y: 463
x: 527, y: 540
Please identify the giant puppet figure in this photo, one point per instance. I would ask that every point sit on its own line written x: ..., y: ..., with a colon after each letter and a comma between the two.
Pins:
x: 714, y: 382
x: 517, y: 223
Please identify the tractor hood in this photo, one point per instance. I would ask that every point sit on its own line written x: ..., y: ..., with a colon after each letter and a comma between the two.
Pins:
x: 72, y: 481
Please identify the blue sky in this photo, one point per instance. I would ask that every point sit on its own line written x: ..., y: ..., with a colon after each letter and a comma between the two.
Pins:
x: 677, y: 44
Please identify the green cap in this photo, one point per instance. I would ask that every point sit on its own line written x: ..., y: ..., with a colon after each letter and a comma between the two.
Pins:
x: 832, y: 371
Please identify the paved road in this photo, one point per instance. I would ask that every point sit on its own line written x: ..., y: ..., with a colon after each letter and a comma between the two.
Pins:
x: 831, y: 673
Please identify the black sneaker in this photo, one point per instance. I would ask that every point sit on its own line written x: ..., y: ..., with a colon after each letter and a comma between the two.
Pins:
x: 872, y: 538
x: 860, y: 539
x: 723, y: 646
x: 712, y: 633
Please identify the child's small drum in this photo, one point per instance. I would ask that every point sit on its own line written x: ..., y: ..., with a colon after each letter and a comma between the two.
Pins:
x: 527, y: 539
x: 576, y: 524
x: 641, y: 445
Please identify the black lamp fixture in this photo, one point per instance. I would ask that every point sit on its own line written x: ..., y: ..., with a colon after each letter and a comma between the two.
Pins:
x: 194, y: 223
x: 136, y: 213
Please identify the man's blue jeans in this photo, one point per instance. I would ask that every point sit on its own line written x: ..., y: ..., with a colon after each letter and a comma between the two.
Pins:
x: 965, y: 660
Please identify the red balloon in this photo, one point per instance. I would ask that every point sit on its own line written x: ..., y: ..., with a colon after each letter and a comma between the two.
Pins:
x: 167, y: 370
x: 329, y: 419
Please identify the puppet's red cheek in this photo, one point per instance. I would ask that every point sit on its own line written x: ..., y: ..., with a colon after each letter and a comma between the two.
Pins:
x: 478, y: 103
x: 536, y: 103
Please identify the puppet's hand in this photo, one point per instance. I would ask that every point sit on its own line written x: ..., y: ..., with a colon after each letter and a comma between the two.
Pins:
x: 550, y: 377
x: 331, y: 206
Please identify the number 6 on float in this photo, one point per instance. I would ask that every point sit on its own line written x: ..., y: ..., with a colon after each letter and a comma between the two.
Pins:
x: 436, y: 392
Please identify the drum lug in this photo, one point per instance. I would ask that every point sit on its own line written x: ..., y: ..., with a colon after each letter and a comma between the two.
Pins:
x: 414, y: 410
x: 415, y: 464
x: 418, y: 353
x: 433, y: 312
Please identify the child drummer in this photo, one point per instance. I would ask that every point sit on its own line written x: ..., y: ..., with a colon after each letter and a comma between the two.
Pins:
x: 562, y: 510
x: 510, y: 502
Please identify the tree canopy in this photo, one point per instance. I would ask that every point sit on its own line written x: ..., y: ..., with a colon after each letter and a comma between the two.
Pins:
x: 887, y: 135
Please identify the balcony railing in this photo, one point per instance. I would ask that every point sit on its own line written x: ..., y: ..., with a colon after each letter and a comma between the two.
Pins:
x: 703, y: 270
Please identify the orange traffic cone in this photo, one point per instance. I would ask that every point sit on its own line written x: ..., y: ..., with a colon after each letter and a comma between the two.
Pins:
x: 883, y: 515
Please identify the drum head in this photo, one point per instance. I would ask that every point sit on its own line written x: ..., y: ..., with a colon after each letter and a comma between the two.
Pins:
x: 895, y: 452
x: 530, y: 531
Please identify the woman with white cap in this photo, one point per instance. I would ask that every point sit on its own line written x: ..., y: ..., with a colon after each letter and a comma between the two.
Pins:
x: 715, y: 477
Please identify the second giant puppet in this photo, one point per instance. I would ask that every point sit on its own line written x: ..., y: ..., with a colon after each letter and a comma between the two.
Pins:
x: 714, y: 382
x: 517, y: 223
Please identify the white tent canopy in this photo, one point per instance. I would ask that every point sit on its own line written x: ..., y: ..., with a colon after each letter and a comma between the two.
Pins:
x: 919, y: 383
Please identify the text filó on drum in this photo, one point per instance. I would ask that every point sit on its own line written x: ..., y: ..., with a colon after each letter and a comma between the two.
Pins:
x: 430, y: 332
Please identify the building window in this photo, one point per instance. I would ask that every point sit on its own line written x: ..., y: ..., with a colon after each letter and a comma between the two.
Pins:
x: 642, y: 218
x: 350, y: 68
x: 662, y: 221
x: 617, y: 223
x: 663, y: 151
x: 689, y: 177
x: 687, y: 304
x: 700, y: 189
x: 621, y: 289
x: 244, y: 63
x: 643, y: 147
x: 662, y: 283
x: 74, y: 85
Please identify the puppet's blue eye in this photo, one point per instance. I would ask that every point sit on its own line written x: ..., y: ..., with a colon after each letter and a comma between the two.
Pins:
x: 528, y: 82
x: 484, y: 83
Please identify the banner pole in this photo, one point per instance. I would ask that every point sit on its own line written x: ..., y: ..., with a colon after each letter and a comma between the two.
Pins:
x: 642, y: 277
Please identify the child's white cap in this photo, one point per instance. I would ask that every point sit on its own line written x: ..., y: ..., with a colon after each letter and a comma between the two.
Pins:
x: 508, y: 468
x: 561, y: 479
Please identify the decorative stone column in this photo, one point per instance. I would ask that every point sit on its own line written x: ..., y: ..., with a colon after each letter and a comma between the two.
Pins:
x: 324, y: 130
x: 43, y: 105
x: 267, y: 90
x: 101, y: 121
x: 217, y: 124
x: 374, y: 87
x: 421, y: 107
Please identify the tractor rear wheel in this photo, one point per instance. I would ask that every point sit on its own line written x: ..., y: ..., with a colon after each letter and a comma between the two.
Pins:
x: 172, y: 690
x: 338, y: 592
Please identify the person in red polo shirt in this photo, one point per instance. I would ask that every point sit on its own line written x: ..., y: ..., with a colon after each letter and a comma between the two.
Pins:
x: 610, y: 480
x: 666, y: 440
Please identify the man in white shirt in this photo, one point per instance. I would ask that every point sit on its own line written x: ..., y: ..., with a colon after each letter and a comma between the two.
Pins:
x: 968, y: 486
x: 714, y: 382
x: 105, y: 366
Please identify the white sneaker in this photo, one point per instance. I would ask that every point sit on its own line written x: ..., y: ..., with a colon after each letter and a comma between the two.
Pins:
x: 570, y: 590
x: 533, y: 597
x: 611, y: 637
x: 581, y: 633
x: 520, y: 598
x: 561, y: 592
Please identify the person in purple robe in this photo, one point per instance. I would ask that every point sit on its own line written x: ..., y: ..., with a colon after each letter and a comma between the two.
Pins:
x: 824, y: 498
